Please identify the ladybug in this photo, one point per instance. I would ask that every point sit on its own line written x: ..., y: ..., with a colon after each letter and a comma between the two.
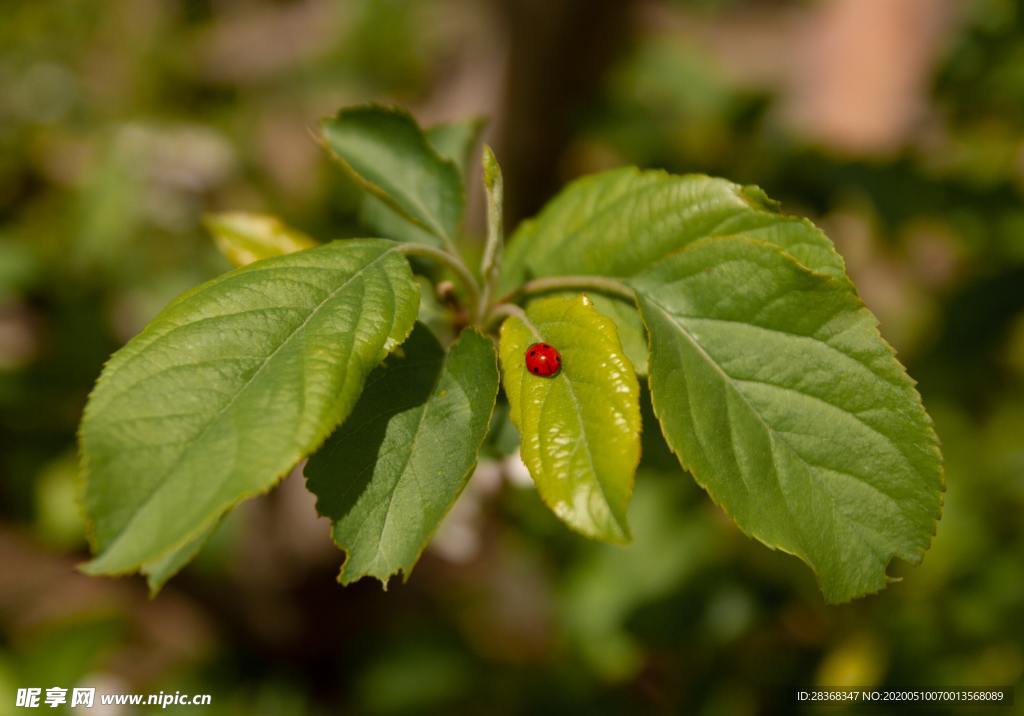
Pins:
x: 543, y: 360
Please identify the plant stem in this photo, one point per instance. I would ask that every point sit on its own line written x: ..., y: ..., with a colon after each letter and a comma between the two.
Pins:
x: 491, y: 263
x: 453, y: 262
x: 511, y: 309
x: 600, y: 284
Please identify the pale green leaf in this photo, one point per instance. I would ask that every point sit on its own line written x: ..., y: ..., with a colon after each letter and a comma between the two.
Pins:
x: 387, y: 154
x: 245, y: 237
x: 389, y: 475
x: 618, y: 223
x: 775, y: 389
x: 230, y: 386
x: 580, y: 429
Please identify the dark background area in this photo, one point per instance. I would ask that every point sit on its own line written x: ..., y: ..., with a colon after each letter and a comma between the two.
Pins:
x: 898, y: 125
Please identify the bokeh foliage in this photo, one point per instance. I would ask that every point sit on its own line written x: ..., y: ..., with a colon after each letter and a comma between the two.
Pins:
x: 122, y: 122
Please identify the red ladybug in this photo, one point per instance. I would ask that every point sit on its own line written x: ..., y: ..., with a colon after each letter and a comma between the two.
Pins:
x: 543, y: 360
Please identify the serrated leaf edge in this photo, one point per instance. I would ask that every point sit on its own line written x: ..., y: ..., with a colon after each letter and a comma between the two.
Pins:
x: 83, y: 473
x: 621, y: 522
x: 375, y: 189
x: 406, y: 569
x: 919, y: 403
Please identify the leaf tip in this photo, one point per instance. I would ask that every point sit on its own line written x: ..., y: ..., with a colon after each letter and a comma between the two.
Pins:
x: 153, y: 588
x: 94, y: 568
x: 492, y: 170
x: 756, y: 197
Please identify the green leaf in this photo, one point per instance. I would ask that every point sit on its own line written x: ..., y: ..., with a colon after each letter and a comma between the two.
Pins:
x: 493, y: 179
x: 453, y: 141
x: 389, y: 475
x: 243, y: 237
x: 490, y: 263
x: 775, y: 389
x: 580, y: 429
x: 387, y: 154
x: 231, y: 385
x: 381, y: 220
x: 618, y: 223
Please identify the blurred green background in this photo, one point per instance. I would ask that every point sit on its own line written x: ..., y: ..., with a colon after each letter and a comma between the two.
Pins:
x: 898, y: 125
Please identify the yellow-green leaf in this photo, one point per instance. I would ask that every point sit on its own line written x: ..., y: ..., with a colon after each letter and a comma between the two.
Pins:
x: 580, y: 429
x: 245, y: 237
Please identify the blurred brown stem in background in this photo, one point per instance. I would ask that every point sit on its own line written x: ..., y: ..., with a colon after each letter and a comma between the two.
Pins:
x: 557, y: 58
